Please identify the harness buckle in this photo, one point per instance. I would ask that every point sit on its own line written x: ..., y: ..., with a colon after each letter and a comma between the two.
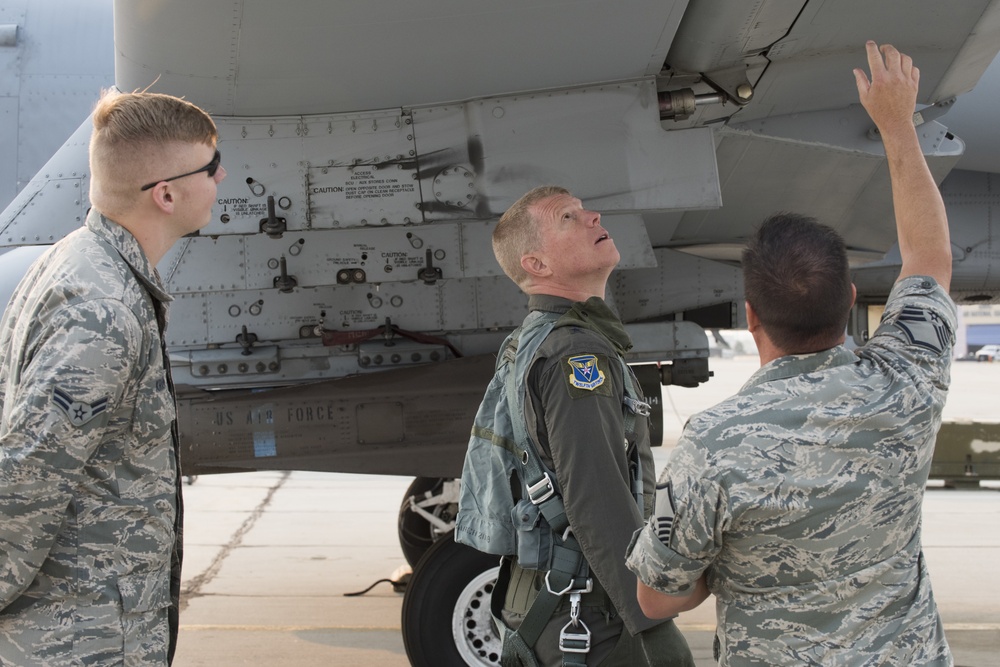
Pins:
x: 587, y: 587
x: 572, y: 640
x: 637, y: 407
x: 546, y: 488
x: 574, y: 608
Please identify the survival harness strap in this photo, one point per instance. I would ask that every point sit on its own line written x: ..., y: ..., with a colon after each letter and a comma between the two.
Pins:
x: 569, y: 572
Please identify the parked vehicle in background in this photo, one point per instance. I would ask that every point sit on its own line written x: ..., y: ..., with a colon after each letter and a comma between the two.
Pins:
x: 988, y: 353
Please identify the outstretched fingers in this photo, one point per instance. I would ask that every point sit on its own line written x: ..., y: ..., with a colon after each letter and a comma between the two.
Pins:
x: 895, y: 61
x: 893, y: 58
x: 890, y: 94
x: 875, y: 62
x: 862, y: 80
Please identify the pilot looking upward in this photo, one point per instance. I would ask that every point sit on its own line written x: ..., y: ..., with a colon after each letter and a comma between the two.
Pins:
x: 90, y: 504
x: 797, y: 502
x: 559, y: 455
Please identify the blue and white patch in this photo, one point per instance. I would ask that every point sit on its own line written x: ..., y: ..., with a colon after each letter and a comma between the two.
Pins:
x: 79, y: 413
x: 923, y: 328
x: 264, y: 444
x: 663, y: 512
x: 586, y: 374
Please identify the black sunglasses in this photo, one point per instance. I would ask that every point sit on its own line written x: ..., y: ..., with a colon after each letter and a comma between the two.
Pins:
x: 211, y: 168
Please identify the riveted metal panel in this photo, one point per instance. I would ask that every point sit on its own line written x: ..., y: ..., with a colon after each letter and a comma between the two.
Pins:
x: 678, y: 283
x: 188, y: 323
x: 12, y: 18
x: 604, y: 143
x: 55, y: 202
x: 51, y: 107
x: 384, y: 255
x: 323, y: 172
x: 500, y: 303
x: 40, y: 201
x: 477, y: 247
x: 453, y: 305
x: 8, y: 139
x: 204, y: 264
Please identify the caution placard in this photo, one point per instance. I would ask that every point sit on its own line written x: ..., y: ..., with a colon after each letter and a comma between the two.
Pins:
x: 363, y: 195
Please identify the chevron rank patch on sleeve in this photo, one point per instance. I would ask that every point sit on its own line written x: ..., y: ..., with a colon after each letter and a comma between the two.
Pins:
x: 923, y: 328
x: 663, y: 512
x: 79, y: 413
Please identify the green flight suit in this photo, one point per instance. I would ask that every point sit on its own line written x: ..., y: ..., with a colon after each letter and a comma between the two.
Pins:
x: 578, y: 429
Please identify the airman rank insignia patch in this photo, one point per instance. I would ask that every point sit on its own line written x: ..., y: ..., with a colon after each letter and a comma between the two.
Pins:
x: 586, y: 374
x: 79, y: 413
x: 664, y: 512
x: 923, y: 328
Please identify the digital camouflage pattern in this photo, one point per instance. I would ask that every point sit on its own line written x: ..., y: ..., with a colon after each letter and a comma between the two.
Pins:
x: 89, y: 494
x: 801, y: 496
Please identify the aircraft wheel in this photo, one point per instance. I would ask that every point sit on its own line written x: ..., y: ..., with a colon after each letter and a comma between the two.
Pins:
x: 446, y: 609
x: 416, y: 535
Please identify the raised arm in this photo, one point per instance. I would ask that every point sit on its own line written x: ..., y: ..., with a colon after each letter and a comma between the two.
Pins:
x: 921, y: 222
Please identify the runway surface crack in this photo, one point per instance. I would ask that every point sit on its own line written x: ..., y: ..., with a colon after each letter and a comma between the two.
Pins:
x: 196, y: 583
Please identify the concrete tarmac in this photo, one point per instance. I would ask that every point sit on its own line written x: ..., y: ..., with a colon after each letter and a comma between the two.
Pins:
x: 269, y: 556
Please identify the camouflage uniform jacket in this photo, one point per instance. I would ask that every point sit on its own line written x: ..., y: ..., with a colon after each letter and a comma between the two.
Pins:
x: 89, y: 494
x: 800, y: 497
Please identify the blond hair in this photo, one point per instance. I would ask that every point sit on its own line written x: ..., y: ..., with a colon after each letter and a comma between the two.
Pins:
x: 516, y: 234
x: 135, y: 141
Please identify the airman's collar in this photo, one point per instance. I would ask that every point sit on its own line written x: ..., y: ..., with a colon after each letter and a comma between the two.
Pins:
x: 128, y: 247
x: 799, y: 364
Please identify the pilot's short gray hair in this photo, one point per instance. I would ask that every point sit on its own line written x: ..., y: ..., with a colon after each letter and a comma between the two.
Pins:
x: 134, y: 142
x: 516, y: 234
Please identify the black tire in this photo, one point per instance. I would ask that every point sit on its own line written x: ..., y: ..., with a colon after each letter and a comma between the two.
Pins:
x: 415, y: 535
x: 449, y: 596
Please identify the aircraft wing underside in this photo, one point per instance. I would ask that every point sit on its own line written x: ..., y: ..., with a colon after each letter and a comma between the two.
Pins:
x: 782, y: 69
x: 371, y: 147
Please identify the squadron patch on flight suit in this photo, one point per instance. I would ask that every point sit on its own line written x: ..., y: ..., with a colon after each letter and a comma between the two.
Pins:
x: 587, y: 374
x: 923, y: 328
x: 79, y: 413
